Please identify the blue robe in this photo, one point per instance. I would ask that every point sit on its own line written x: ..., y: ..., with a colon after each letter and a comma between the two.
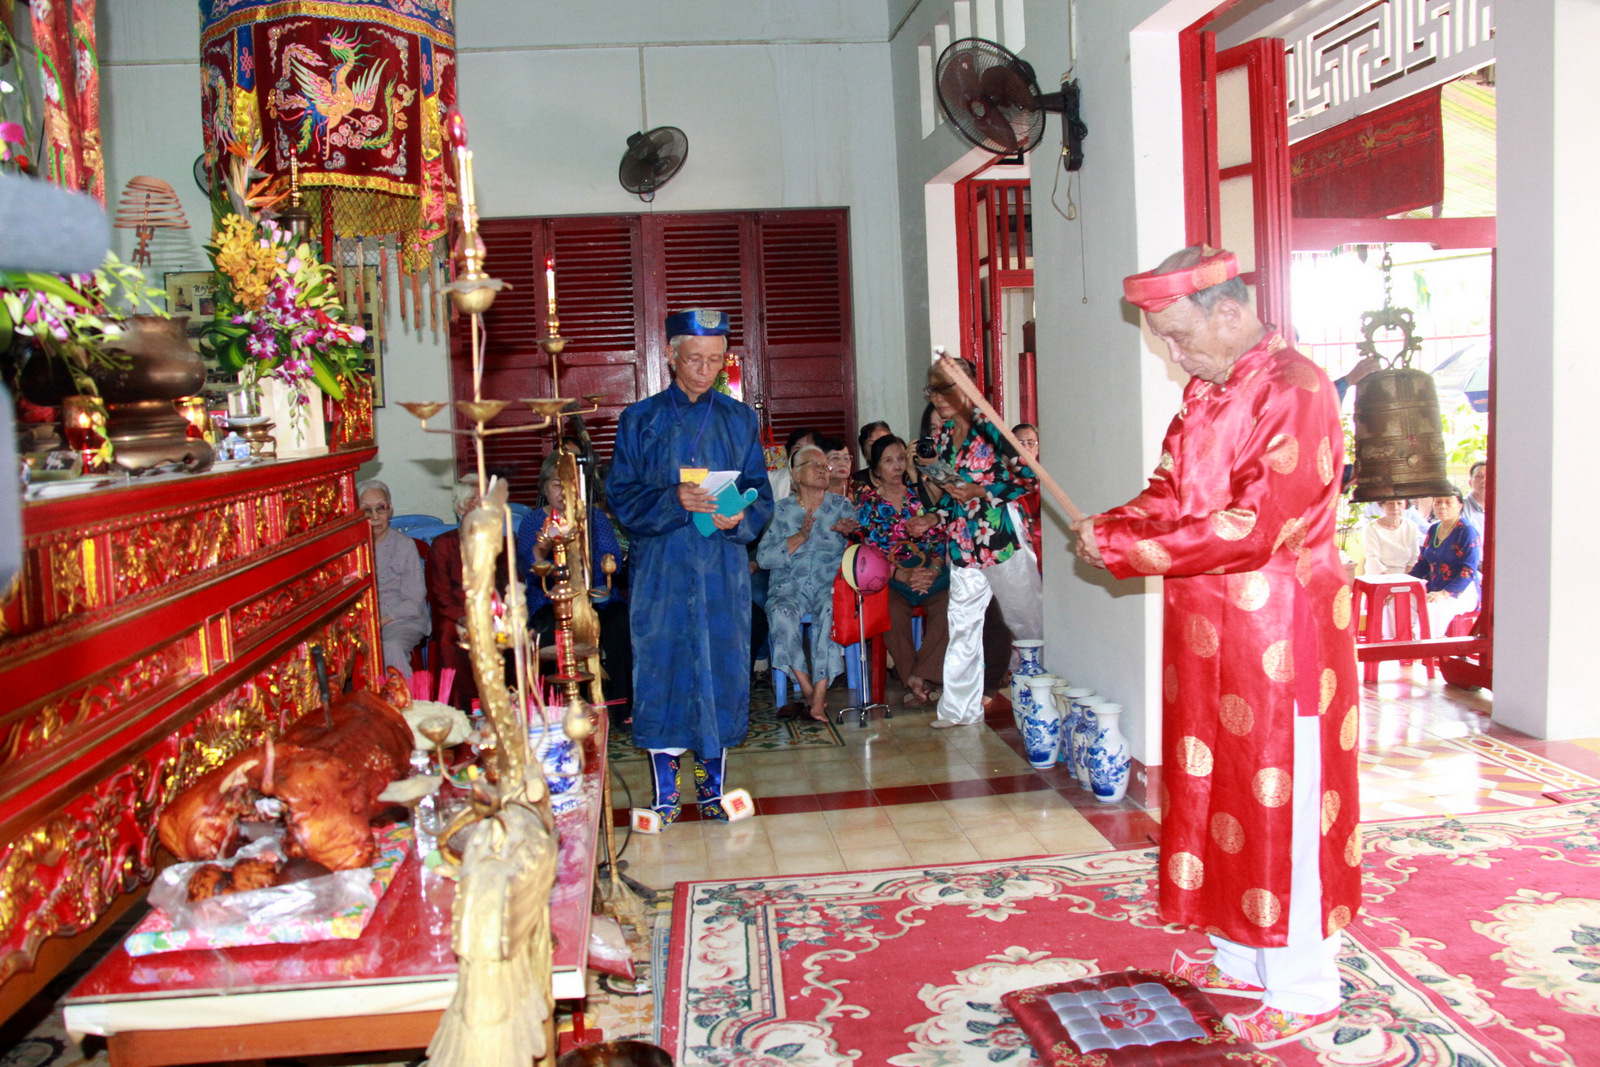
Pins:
x: 689, y: 595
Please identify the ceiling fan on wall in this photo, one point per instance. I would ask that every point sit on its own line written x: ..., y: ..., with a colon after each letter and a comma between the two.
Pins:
x: 652, y: 159
x: 992, y: 98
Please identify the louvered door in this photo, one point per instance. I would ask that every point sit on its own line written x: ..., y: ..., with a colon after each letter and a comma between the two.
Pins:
x: 700, y: 261
x: 783, y: 277
x: 806, y: 362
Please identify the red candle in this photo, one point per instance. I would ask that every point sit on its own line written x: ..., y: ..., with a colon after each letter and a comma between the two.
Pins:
x: 455, y: 128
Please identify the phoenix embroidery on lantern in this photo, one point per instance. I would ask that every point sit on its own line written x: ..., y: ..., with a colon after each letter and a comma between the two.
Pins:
x: 332, y: 105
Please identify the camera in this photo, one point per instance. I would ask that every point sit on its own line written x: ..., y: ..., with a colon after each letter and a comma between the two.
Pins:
x: 928, y: 463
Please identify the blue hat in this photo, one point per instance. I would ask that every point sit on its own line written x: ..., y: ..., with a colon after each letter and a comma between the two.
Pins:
x: 698, y: 322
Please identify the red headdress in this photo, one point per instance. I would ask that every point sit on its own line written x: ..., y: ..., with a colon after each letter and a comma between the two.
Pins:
x: 1153, y: 291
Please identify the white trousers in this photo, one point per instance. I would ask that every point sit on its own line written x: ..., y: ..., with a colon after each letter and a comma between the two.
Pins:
x: 1302, y: 976
x: 1440, y: 612
x: 1017, y: 586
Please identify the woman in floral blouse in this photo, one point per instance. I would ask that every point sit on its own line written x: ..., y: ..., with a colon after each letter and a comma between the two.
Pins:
x: 892, y: 517
x: 1452, y: 551
x: 989, y: 557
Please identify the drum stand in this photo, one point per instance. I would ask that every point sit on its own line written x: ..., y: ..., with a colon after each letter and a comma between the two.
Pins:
x: 862, y: 709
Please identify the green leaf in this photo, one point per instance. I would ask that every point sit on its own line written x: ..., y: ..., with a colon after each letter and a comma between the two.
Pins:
x: 324, y: 377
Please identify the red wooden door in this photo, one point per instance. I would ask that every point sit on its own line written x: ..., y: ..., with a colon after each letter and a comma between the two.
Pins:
x: 1236, y: 161
x: 805, y: 356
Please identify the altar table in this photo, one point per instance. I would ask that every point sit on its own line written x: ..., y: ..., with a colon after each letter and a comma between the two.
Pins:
x: 384, y: 990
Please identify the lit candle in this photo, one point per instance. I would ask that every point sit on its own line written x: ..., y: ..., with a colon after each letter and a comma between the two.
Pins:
x: 455, y: 128
x: 550, y: 284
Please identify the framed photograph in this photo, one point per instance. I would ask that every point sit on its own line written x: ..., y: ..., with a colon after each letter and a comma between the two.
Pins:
x: 193, y: 293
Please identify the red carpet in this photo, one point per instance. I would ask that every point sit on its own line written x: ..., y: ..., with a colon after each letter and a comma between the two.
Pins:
x: 1479, y: 947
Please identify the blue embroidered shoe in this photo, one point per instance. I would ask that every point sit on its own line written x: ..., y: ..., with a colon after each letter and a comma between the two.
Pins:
x: 664, y: 771
x: 708, y: 786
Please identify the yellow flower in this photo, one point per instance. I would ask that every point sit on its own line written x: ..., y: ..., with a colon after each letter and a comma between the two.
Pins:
x: 248, y: 264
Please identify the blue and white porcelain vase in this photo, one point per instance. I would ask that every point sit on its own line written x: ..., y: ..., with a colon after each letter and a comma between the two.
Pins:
x: 1041, y: 724
x: 1058, y: 693
x: 1028, y: 665
x: 1109, y: 762
x: 1083, y: 733
x: 1070, y: 714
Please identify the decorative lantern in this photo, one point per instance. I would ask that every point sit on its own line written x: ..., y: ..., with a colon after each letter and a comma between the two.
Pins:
x: 351, y: 94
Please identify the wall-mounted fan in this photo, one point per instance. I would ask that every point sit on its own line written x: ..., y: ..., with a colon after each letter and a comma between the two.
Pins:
x: 652, y: 159
x: 992, y: 98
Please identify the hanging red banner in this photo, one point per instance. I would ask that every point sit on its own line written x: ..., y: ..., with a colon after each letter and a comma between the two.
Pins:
x: 1379, y: 164
x: 354, y: 91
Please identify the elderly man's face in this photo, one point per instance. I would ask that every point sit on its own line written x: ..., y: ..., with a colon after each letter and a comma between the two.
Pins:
x: 698, y: 362
x: 1203, y: 345
x: 1478, y: 481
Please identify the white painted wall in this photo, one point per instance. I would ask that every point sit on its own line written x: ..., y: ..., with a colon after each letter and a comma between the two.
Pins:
x: 1548, y: 379
x: 1100, y: 390
x: 550, y: 92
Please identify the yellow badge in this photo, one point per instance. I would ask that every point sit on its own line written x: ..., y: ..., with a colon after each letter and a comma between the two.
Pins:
x: 693, y: 475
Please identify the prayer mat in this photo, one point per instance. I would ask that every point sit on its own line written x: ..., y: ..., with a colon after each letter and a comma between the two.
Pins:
x: 767, y: 732
x: 1478, y: 946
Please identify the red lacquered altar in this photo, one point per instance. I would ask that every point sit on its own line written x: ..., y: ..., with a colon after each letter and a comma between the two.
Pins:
x: 158, y: 628
x: 383, y: 990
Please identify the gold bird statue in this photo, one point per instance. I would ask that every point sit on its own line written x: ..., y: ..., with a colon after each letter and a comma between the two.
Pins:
x: 501, y: 1015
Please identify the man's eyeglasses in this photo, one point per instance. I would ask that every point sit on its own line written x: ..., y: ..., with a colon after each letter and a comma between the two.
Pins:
x: 375, y: 509
x: 704, y: 364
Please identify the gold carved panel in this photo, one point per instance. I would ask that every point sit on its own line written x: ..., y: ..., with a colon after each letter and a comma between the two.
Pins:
x: 60, y: 875
x: 152, y: 554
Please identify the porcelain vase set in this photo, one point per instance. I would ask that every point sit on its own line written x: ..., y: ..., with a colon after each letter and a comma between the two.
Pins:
x: 1069, y: 725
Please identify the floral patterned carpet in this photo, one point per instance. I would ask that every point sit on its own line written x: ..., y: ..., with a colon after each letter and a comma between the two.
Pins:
x: 1479, y: 946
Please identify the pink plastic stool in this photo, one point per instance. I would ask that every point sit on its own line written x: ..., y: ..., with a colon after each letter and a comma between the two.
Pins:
x: 1372, y: 593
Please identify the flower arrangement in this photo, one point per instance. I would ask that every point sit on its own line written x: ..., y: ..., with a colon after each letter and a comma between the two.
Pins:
x: 278, y: 311
x: 75, y: 318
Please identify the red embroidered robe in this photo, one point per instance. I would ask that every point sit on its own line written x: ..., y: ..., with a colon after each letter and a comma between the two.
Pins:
x: 1239, y: 518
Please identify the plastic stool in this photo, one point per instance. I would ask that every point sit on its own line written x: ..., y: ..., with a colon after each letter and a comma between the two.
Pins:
x: 880, y: 653
x: 852, y: 666
x: 1372, y: 593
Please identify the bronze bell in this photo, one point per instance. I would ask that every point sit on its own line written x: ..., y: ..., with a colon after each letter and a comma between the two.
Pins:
x: 1399, y: 439
x: 1399, y: 435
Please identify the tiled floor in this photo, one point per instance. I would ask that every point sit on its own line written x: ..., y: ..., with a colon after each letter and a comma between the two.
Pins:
x: 899, y: 793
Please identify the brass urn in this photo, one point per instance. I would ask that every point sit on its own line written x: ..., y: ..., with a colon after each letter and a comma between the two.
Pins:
x: 144, y: 425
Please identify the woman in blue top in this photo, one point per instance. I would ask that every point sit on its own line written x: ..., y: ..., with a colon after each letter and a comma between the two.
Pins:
x: 1452, y: 552
x: 801, y: 550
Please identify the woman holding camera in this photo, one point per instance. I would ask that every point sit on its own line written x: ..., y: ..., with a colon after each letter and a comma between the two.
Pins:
x: 892, y: 517
x: 972, y: 480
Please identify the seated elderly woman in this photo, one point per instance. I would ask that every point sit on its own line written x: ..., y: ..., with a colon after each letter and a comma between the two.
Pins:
x: 397, y: 568
x: 1452, y: 552
x: 616, y: 643
x: 1391, y: 542
x: 801, y: 551
x: 894, y: 518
